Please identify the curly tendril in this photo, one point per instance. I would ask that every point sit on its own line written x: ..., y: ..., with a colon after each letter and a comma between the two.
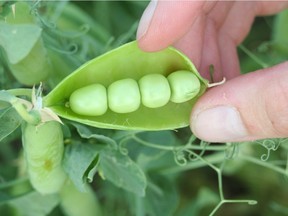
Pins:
x: 34, y: 11
x: 183, y: 156
x: 72, y: 49
x: 269, y: 144
x: 122, y: 149
x: 179, y: 157
x: 51, y: 31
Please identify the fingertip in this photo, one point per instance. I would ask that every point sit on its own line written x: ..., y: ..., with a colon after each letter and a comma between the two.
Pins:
x: 146, y: 19
x: 145, y: 42
x: 165, y: 22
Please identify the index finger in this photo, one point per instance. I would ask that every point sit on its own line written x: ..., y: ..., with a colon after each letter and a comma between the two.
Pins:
x: 164, y: 22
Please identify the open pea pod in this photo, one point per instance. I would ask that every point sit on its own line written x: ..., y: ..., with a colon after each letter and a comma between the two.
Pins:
x: 127, y: 61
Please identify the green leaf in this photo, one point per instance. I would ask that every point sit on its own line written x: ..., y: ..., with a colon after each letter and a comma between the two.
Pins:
x: 122, y: 171
x: 79, y: 159
x: 86, y: 133
x: 205, y: 198
x: 152, y: 158
x: 161, y: 198
x: 11, y: 39
x: 34, y: 204
x: 13, y: 189
x: 4, y: 197
x: 10, y: 121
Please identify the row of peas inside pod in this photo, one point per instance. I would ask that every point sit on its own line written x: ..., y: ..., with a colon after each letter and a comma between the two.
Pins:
x: 126, y: 80
x: 125, y: 96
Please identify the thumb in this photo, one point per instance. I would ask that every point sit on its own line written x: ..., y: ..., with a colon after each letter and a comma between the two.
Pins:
x: 249, y: 107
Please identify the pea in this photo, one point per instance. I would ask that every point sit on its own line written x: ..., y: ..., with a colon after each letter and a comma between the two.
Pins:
x: 90, y: 100
x: 155, y: 90
x: 43, y: 149
x: 184, y: 86
x: 130, y: 77
x: 124, y: 96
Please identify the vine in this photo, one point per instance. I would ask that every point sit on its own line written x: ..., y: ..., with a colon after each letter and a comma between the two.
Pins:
x: 185, y: 155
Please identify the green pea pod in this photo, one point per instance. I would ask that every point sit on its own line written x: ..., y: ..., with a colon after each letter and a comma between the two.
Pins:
x: 76, y: 203
x: 28, y: 62
x: 128, y: 63
x: 43, y: 149
x: 34, y: 68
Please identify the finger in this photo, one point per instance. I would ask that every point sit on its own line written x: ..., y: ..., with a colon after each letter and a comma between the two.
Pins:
x: 211, y: 53
x: 228, y: 56
x: 249, y: 107
x: 271, y: 7
x: 211, y: 50
x: 164, y: 22
x: 191, y: 44
x: 201, y: 43
x: 232, y: 32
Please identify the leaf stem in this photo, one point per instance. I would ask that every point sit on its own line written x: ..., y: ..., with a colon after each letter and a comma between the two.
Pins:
x: 250, y: 202
x: 28, y: 117
x: 21, y: 92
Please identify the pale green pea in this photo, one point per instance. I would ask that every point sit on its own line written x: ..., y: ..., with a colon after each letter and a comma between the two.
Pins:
x: 155, y: 90
x: 124, y: 96
x: 90, y: 100
x: 184, y: 86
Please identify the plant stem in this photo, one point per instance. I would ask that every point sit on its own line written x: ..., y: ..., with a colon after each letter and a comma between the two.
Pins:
x: 21, y: 92
x: 173, y: 148
x: 264, y: 164
x: 31, y: 119
x: 253, y: 56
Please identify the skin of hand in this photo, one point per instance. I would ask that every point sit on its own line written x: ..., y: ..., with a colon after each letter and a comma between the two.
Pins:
x: 246, y: 107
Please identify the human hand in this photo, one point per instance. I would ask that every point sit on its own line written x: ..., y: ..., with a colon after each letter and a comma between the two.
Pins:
x: 247, y: 107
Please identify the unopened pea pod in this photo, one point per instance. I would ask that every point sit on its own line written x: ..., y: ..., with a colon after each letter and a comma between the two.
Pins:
x: 124, y: 96
x: 33, y: 66
x: 128, y: 62
x: 75, y: 203
x: 43, y: 149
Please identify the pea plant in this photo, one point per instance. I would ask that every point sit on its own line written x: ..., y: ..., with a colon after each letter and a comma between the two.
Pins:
x: 91, y: 125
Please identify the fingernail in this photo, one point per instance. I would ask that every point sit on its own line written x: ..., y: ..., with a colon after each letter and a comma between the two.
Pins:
x: 219, y: 124
x: 146, y: 19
